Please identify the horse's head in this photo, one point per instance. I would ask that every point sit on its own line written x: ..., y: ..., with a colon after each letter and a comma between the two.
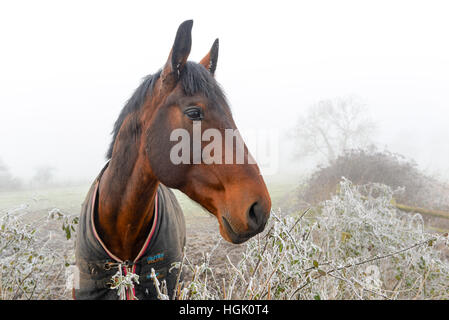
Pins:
x: 193, y: 145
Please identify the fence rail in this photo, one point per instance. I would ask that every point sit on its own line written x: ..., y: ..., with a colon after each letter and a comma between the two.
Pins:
x: 427, y: 212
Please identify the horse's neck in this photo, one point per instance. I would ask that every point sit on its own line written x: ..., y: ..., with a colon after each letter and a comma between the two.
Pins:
x: 126, y: 206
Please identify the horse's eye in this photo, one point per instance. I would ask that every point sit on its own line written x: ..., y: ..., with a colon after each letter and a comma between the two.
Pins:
x: 194, y: 113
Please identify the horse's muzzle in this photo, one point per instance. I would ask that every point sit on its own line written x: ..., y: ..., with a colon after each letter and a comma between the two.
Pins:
x: 257, y: 218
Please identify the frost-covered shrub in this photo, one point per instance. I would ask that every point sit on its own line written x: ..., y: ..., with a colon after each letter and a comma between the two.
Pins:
x: 354, y: 246
x: 32, y: 258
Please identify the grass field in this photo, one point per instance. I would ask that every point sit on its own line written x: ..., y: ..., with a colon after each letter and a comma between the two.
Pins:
x: 40, y: 201
x: 69, y: 199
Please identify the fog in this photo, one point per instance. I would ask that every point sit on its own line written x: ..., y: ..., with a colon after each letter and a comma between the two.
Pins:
x: 68, y: 68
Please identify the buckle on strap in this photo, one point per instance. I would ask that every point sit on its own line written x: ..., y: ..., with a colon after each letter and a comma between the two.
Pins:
x: 109, y: 264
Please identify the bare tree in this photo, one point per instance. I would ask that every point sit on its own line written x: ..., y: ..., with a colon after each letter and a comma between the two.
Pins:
x: 332, y: 126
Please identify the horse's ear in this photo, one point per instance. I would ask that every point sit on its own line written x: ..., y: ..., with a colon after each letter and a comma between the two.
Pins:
x: 179, y: 52
x: 210, y: 60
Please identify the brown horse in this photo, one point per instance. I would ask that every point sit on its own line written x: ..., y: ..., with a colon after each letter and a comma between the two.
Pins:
x: 123, y: 204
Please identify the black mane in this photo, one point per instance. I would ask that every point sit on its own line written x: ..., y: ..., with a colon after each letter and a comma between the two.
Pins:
x: 194, y: 79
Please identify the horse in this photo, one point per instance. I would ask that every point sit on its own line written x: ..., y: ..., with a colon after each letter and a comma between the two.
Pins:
x: 131, y: 225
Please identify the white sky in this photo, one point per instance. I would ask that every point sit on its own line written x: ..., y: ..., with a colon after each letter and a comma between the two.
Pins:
x: 66, y: 69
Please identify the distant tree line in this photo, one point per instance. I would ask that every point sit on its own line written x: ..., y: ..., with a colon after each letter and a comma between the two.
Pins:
x: 43, y: 177
x: 7, y: 181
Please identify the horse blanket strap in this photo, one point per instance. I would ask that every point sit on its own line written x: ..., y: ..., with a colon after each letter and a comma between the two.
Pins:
x: 97, y: 266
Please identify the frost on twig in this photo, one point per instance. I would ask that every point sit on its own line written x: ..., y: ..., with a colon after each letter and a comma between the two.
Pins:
x: 124, y: 283
x: 157, y: 285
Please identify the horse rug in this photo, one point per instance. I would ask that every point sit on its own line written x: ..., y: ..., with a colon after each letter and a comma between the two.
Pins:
x: 96, y: 265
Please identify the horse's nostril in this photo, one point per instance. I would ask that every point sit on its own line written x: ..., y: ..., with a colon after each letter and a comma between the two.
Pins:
x: 253, y: 217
